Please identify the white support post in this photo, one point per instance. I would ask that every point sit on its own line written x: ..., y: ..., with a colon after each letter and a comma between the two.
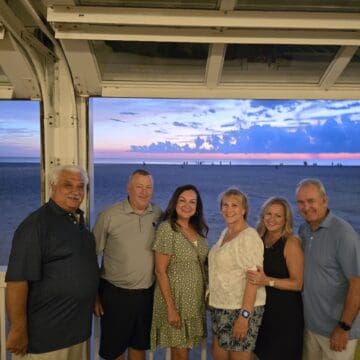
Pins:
x: 2, y: 313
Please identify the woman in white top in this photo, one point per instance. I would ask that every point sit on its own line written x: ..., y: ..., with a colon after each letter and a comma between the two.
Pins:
x: 237, y: 305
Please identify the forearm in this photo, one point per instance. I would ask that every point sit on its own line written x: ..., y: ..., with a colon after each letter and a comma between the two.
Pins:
x: 249, y: 297
x: 16, y: 303
x: 164, y: 284
x: 352, y: 301
x: 282, y: 284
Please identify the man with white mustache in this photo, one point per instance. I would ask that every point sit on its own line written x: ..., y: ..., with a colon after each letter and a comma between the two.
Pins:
x: 52, y: 276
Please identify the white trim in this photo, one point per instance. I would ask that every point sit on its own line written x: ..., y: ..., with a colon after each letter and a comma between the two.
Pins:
x: 197, y: 35
x: 203, y: 18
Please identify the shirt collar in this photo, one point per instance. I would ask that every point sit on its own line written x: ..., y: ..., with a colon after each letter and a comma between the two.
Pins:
x: 325, y: 223
x: 60, y: 211
x: 130, y: 210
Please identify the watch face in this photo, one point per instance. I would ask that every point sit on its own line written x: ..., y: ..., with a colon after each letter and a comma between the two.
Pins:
x: 245, y: 314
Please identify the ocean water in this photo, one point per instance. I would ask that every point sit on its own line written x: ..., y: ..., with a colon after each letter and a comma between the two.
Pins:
x: 20, y: 190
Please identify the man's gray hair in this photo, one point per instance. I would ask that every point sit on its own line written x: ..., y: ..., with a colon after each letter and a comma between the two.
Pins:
x: 56, y: 171
x: 315, y: 182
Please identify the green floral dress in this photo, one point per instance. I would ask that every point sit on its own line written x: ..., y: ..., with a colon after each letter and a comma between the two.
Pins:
x: 187, y: 288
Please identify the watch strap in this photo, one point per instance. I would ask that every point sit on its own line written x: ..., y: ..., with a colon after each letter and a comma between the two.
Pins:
x: 343, y: 325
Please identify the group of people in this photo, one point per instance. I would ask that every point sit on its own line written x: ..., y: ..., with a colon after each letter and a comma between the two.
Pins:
x: 271, y: 293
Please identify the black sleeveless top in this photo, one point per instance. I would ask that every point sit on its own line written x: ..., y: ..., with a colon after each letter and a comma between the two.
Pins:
x: 281, y: 332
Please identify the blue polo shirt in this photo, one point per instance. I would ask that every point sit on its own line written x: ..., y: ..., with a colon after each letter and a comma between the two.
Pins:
x: 332, y: 256
x: 56, y: 256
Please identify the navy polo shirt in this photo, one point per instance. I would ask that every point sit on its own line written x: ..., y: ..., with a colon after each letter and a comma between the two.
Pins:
x: 56, y: 255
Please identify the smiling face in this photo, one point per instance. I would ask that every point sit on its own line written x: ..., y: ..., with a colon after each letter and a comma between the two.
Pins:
x: 69, y: 190
x: 312, y: 205
x: 186, y: 205
x: 232, y: 209
x: 140, y: 190
x: 274, y: 218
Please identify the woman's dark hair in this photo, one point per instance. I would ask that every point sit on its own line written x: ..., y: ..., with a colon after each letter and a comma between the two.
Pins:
x: 197, y: 220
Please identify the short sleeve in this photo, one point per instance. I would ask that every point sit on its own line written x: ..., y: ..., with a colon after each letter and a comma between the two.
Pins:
x: 25, y: 262
x: 100, y: 232
x: 164, y: 239
x: 348, y: 253
x: 251, y: 252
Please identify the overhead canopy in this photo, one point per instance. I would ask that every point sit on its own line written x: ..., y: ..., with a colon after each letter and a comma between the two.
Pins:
x: 190, y: 48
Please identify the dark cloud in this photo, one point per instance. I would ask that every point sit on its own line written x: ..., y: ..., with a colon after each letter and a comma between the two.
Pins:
x: 331, y: 136
x: 127, y: 113
x: 117, y: 120
x: 228, y: 125
x: 179, y: 124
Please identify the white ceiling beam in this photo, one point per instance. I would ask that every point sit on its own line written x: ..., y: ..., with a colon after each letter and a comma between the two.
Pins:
x: 337, y: 66
x: 216, y: 56
x: 15, y: 65
x: 256, y: 91
x: 204, y: 18
x: 215, y: 64
x: 2, y: 31
x: 196, y: 35
x: 83, y: 65
x: 6, y: 92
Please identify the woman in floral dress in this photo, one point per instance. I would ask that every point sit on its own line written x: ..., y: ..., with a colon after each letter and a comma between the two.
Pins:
x: 180, y: 253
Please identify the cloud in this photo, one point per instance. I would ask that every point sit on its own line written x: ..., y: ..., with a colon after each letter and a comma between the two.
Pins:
x: 179, y: 124
x: 328, y: 137
x: 228, y: 125
x: 117, y: 120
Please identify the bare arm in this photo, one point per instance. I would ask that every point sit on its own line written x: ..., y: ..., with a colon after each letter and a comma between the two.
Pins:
x: 16, y: 304
x: 162, y: 262
x: 294, y: 257
x: 241, y: 324
x: 340, y: 337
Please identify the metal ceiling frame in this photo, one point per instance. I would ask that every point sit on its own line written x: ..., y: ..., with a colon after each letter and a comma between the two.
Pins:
x: 203, y: 18
x: 75, y: 26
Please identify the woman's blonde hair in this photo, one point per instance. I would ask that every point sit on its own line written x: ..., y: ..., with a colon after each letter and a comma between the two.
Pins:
x: 233, y: 191
x: 288, y: 226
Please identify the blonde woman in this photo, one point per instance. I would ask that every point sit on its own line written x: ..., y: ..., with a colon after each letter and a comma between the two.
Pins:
x: 237, y: 304
x: 281, y: 332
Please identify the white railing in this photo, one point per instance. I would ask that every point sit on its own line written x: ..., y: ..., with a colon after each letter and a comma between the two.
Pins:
x: 2, y: 314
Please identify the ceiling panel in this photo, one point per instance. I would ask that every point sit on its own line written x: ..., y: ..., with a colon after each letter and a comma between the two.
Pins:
x: 300, y: 5
x: 351, y: 75
x: 150, y: 61
x: 276, y: 63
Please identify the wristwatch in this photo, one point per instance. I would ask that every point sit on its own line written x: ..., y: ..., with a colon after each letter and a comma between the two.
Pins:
x: 245, y: 314
x: 272, y: 283
x: 343, y: 325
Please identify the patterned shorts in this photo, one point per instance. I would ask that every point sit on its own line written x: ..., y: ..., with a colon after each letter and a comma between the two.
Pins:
x: 222, y: 326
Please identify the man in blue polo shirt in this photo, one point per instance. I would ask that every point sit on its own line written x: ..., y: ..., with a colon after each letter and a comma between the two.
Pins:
x: 331, y: 293
x: 52, y: 276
